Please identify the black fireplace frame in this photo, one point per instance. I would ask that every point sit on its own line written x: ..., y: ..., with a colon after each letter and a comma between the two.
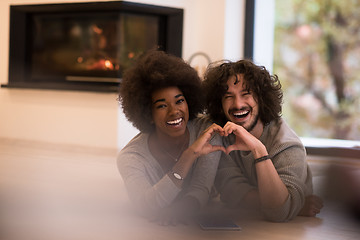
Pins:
x: 172, y: 24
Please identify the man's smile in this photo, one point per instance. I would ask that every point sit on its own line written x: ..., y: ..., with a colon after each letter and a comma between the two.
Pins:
x: 240, y: 114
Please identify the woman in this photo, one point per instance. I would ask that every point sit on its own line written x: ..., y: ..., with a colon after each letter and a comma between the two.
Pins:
x: 164, y: 167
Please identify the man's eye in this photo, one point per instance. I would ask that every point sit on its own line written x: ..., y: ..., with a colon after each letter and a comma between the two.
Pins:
x: 228, y: 96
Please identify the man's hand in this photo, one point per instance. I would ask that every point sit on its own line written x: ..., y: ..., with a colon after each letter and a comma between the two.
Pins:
x: 312, y: 206
x: 245, y: 141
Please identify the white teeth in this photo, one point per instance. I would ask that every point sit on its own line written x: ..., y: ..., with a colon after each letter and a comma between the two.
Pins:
x: 176, y: 121
x: 238, y: 114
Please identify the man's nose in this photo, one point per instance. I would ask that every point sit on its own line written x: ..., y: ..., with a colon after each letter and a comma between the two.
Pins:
x: 238, y: 102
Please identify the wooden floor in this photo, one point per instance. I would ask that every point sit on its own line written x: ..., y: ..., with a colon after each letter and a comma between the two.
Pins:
x: 52, y: 192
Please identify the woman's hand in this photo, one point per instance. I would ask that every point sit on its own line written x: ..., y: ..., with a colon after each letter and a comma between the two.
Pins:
x: 180, y: 212
x: 202, y: 145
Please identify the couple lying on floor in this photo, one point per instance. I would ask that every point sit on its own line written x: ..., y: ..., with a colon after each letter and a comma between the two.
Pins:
x: 224, y: 133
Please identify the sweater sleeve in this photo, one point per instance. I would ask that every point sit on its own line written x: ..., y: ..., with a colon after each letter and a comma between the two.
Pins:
x: 203, y: 176
x: 205, y: 167
x: 147, y: 192
x: 295, y: 174
x: 230, y: 182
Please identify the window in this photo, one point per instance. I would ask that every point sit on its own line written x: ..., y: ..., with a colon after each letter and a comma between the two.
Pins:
x: 314, y: 48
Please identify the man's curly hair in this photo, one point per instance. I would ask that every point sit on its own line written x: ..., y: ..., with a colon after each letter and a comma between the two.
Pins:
x: 155, y: 70
x: 265, y: 88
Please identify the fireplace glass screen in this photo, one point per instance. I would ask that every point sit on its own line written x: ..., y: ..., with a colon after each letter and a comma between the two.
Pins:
x: 86, y: 46
x: 96, y: 47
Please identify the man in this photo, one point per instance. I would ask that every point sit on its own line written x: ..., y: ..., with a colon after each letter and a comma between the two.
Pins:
x: 266, y: 163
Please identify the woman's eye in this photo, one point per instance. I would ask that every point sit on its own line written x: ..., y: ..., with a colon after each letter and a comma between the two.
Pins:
x: 161, y: 106
x: 180, y: 101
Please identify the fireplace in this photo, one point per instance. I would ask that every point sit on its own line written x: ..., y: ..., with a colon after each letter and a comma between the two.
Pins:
x: 86, y: 46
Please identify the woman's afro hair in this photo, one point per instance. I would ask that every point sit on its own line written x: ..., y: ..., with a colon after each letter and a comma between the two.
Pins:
x: 152, y: 71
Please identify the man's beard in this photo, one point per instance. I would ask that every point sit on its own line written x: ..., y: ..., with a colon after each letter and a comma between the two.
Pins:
x: 253, y: 124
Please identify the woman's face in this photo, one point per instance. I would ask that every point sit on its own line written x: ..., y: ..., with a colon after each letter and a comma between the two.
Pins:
x: 170, y: 112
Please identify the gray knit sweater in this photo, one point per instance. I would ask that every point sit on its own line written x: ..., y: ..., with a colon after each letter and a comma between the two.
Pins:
x: 150, y: 188
x: 237, y: 173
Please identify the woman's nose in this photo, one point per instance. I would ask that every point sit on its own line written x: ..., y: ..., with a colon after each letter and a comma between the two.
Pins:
x: 173, y: 109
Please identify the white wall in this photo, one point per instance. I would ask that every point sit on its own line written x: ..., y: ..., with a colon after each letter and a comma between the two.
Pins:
x: 94, y: 119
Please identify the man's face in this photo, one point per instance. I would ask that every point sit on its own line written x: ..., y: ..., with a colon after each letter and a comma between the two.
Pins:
x: 239, y: 105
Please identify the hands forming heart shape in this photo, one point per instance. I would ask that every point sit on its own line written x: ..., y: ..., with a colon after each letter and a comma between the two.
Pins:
x: 244, y: 140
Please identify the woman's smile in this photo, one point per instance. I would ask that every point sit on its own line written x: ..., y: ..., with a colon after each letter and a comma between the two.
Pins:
x: 170, y: 112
